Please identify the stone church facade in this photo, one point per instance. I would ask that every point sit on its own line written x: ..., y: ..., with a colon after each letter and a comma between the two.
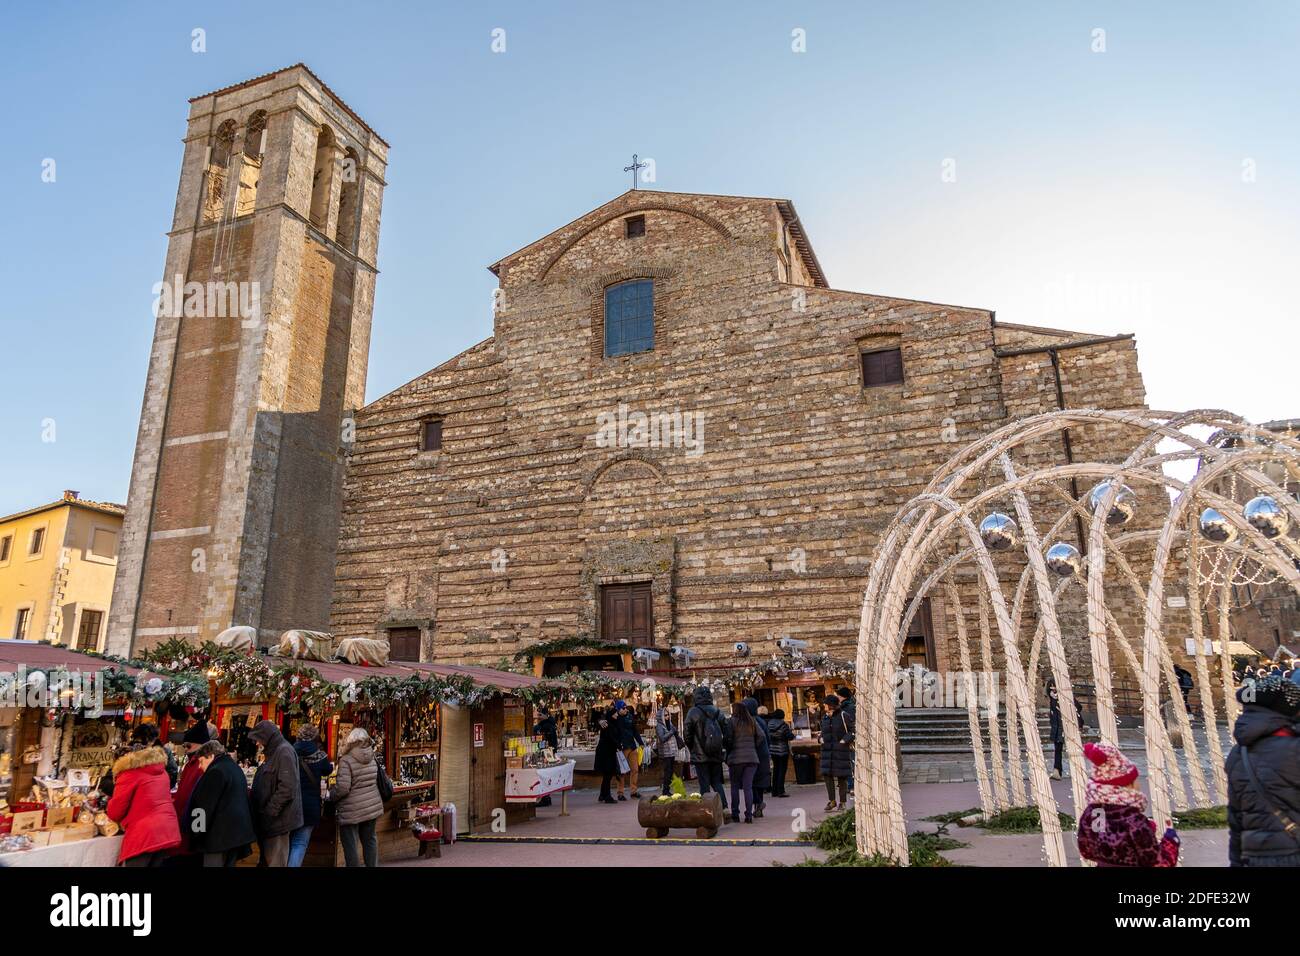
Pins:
x: 678, y: 434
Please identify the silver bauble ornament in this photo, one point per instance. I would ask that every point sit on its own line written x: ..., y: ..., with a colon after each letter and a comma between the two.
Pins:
x: 999, y: 532
x: 1215, y: 527
x: 1121, y: 509
x: 1266, y: 516
x: 1064, y: 560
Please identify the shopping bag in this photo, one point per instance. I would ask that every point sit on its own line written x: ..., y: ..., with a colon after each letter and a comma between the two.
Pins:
x: 623, y: 766
x: 647, y: 757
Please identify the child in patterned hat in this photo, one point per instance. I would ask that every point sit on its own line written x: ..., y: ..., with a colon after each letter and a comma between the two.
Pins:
x: 1114, y: 829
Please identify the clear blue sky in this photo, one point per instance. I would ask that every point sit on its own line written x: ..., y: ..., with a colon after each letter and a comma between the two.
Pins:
x: 1097, y: 191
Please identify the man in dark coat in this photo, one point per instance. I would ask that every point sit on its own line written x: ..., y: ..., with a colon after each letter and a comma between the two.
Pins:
x: 218, y: 821
x: 763, y: 775
x: 546, y: 729
x: 1185, y: 685
x: 277, y: 793
x: 605, y: 762
x: 779, y: 735
x: 1264, y: 806
x: 705, y: 731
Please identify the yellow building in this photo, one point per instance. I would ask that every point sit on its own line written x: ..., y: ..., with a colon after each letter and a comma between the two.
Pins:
x: 57, y: 564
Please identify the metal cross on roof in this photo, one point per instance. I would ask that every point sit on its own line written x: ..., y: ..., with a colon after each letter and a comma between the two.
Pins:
x: 633, y: 169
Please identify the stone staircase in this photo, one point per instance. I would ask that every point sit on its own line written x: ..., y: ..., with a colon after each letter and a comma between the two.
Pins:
x: 945, y: 730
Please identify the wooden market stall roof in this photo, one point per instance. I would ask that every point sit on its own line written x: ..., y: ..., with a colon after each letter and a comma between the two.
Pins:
x: 490, y: 676
x: 337, y: 671
x: 41, y: 655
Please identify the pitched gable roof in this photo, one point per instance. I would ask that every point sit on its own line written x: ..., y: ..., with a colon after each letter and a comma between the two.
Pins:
x: 786, y: 208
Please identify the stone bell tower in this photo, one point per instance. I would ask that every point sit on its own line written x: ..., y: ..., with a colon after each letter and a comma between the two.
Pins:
x: 259, y: 357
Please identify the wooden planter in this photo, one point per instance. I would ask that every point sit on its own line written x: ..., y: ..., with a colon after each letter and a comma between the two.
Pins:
x: 705, y: 816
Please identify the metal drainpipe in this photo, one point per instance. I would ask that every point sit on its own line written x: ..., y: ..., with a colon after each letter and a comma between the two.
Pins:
x: 1069, y: 450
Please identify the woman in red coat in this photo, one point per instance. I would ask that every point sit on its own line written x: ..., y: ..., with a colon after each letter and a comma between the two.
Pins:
x: 142, y: 803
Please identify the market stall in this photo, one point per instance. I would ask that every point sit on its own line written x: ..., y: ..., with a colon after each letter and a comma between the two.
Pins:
x: 579, y: 698
x: 64, y: 717
x: 442, y: 731
x: 795, y: 684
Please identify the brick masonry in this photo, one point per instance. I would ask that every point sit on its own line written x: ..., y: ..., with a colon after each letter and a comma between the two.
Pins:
x: 233, y: 507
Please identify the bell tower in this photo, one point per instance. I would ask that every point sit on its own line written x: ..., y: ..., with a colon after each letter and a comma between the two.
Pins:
x: 259, y: 357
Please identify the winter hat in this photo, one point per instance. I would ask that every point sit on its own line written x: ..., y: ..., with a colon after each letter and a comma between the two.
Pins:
x: 307, y: 732
x: 619, y: 704
x: 198, y: 734
x: 1112, y: 777
x: 1109, y: 765
x: 1274, y: 692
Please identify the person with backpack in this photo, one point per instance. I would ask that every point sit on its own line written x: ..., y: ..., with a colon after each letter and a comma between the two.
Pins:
x: 277, y: 793
x: 744, y: 742
x: 779, y: 735
x: 358, y: 800
x: 313, y: 766
x: 1264, y: 776
x: 704, y: 739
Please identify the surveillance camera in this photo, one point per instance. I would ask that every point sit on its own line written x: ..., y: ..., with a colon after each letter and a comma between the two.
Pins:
x: 741, y: 648
x: 683, y: 655
x: 791, y: 644
x: 645, y: 655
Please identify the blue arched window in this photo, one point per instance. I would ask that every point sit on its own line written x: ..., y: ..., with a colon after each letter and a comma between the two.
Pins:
x: 630, y: 317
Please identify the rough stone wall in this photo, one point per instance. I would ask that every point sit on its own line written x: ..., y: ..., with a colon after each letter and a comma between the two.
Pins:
x: 503, y: 537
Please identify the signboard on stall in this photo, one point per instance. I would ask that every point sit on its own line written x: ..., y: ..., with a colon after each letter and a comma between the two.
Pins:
x: 478, y: 735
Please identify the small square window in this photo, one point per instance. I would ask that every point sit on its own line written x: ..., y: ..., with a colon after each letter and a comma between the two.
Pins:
x: 38, y: 541
x: 431, y: 435
x: 635, y: 226
x: 103, y: 543
x: 882, y: 367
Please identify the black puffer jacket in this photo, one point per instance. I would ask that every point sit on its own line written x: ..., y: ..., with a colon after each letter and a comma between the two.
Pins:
x: 779, y: 736
x: 696, y: 719
x: 1255, y: 836
x: 837, y: 744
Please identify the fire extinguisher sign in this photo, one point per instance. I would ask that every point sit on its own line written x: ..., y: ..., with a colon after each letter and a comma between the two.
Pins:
x: 478, y: 735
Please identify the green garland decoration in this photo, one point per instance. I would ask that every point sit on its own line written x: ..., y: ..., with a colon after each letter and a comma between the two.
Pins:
x: 587, y: 687
x: 562, y: 645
